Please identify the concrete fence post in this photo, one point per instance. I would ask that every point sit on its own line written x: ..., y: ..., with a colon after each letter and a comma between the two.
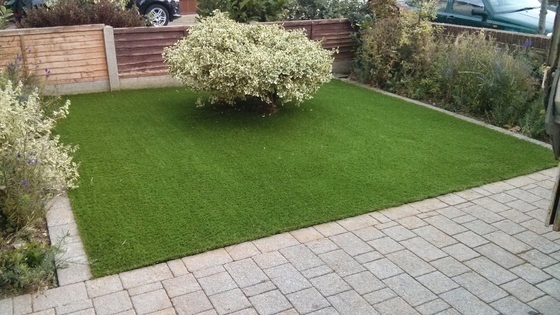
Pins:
x: 111, y: 53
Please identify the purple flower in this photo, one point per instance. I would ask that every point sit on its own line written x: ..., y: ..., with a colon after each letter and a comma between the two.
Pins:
x: 527, y: 43
x: 24, y: 182
x: 19, y: 58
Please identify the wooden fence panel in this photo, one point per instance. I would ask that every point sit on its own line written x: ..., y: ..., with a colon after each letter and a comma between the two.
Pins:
x: 139, y: 49
x: 74, y: 54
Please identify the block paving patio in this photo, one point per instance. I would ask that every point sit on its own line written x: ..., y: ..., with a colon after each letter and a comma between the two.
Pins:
x: 480, y: 251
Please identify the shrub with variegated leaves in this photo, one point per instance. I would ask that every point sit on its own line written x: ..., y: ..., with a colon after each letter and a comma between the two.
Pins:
x: 233, y: 62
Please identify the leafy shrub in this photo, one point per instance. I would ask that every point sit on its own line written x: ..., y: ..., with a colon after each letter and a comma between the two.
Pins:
x: 5, y: 15
x: 396, y: 52
x: 479, y: 77
x: 80, y: 12
x: 233, y: 61
x: 244, y: 10
x: 34, y: 163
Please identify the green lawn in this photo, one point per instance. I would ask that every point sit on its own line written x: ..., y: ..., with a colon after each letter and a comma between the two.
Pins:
x: 161, y: 179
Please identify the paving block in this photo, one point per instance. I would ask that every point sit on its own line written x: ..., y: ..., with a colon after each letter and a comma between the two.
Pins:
x: 206, y: 260
x: 449, y: 266
x: 357, y: 222
x: 446, y: 225
x: 423, y: 249
x: 460, y: 252
x: 151, y: 302
x: 466, y: 303
x: 60, y: 296
x: 437, y: 282
x: 154, y: 286
x: 451, y: 199
x: 270, y: 302
x: 259, y: 288
x: 247, y: 311
x: 490, y: 270
x: 385, y: 245
x: 502, y: 198
x: 350, y: 302
x: 330, y: 229
x: 369, y: 233
x: 400, y: 212
x: 491, y: 204
x: 379, y: 216
x: 326, y: 311
x: 409, y: 289
x: 177, y: 267
x: 538, y: 242
x: 512, y: 306
x: 351, y: 244
x: 229, y: 301
x: 479, y: 227
x: 435, y: 236
x: 509, y: 227
x: 103, y: 286
x: 507, y: 242
x: 412, y: 222
x: 202, y: 273
x: 330, y: 284
x: 471, y: 239
x: 307, y: 300
x: 399, y: 232
x: 6, y: 306
x: 464, y: 219
x: 45, y: 312
x: 142, y: 276
x: 364, y: 282
x: 530, y: 273
x: 499, y: 255
x: 483, y: 214
x: 367, y: 257
x: 433, y: 307
x: 390, y: 306
x: 89, y: 311
x: 306, y: 235
x: 217, y: 283
x: 514, y: 214
x: 23, y: 304
x: 410, y: 263
x: 380, y: 296
x: 246, y: 272
x: 287, y: 278
x: 301, y: 257
x: 74, y: 307
x: 341, y: 263
x: 523, y: 195
x: 546, y: 305
x: 242, y: 251
x: 73, y: 273
x: 522, y: 290
x: 316, y: 271
x: 551, y: 287
x: 113, y: 303
x: 275, y: 242
x: 269, y: 260
x: 168, y: 311
x: 383, y: 268
x: 538, y: 259
x: 192, y: 303
x: 469, y: 194
x: 480, y: 286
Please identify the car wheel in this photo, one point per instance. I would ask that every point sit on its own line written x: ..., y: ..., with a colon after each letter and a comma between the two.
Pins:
x: 158, y: 15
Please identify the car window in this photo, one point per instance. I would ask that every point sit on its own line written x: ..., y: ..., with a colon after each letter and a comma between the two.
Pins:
x: 502, y: 6
x: 466, y: 6
x: 442, y: 5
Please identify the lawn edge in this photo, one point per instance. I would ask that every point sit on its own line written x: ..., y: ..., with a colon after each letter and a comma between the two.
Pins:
x: 450, y: 113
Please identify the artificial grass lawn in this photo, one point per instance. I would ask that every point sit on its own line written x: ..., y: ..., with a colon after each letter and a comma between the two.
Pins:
x: 161, y: 179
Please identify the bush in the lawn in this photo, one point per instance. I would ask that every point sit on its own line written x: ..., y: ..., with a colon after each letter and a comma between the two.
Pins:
x: 234, y: 62
x: 35, y: 165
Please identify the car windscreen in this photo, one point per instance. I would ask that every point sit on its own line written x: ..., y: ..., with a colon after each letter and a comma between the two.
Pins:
x: 506, y: 6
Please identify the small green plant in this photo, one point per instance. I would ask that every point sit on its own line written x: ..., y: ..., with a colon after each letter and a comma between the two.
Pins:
x: 235, y: 62
x: 245, y: 10
x: 5, y: 16
x: 29, y: 268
